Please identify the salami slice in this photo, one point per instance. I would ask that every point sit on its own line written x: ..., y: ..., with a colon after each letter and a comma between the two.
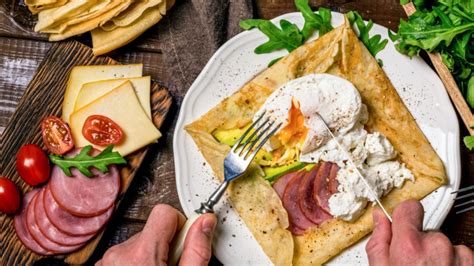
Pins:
x: 308, y: 205
x: 20, y: 226
x: 290, y: 202
x: 85, y: 196
x: 70, y: 224
x: 39, y: 236
x: 51, y: 231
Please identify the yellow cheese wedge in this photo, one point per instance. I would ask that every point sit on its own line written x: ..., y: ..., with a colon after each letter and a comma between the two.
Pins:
x: 93, y: 90
x: 84, y: 74
x: 122, y: 106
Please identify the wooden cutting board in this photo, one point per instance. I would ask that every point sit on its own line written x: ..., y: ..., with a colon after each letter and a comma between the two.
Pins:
x: 44, y: 97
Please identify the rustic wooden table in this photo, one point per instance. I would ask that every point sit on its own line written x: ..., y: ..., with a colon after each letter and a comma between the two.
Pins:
x: 21, y: 51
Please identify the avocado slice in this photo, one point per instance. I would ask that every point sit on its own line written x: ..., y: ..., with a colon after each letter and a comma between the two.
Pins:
x: 229, y: 136
x: 273, y: 173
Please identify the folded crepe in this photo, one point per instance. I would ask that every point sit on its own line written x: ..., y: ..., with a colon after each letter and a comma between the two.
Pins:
x: 340, y: 53
x: 92, y: 23
x: 36, y: 6
x: 113, y: 37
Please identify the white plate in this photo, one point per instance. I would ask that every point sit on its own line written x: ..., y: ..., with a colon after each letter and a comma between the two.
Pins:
x: 234, y: 64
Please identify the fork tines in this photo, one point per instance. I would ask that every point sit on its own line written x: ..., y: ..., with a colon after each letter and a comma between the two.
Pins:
x: 259, y: 135
x: 466, y: 193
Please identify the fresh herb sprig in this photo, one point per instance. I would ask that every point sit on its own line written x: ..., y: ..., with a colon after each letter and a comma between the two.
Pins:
x: 289, y: 36
x: 469, y: 142
x: 445, y: 27
x: 374, y: 44
x: 320, y: 21
x: 83, y: 161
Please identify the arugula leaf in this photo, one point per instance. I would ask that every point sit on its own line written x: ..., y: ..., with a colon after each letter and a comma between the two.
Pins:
x: 470, y: 92
x: 415, y: 33
x: 469, y: 142
x: 374, y: 44
x: 289, y: 37
x: 274, y: 61
x: 404, y: 2
x: 314, y: 21
x: 83, y: 161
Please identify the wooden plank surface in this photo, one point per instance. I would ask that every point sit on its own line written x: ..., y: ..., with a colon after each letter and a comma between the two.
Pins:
x: 155, y: 181
x: 43, y: 97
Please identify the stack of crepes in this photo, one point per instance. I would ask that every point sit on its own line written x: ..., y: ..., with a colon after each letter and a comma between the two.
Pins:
x: 112, y: 23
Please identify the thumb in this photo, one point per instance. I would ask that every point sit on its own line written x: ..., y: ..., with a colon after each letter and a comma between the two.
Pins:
x: 379, y: 244
x: 197, y: 246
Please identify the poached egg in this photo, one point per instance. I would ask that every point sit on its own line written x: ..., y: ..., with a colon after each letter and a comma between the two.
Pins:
x: 296, y: 106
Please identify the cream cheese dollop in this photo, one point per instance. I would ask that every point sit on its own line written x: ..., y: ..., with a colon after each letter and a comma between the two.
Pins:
x: 379, y: 149
x: 382, y: 178
x: 346, y: 206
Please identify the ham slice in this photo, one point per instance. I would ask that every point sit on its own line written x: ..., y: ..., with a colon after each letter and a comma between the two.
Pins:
x: 51, y: 231
x: 306, y: 202
x: 37, y: 235
x: 290, y: 202
x: 325, y: 184
x: 70, y: 224
x: 20, y: 226
x: 282, y: 182
x: 332, y: 182
x: 85, y: 196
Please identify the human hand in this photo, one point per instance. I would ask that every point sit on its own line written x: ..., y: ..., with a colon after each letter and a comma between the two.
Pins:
x: 404, y: 243
x: 151, y: 246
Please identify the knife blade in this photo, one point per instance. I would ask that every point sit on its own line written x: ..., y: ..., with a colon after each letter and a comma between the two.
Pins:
x: 349, y: 158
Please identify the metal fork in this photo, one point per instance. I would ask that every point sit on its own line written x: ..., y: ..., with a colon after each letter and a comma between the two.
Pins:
x: 235, y: 164
x: 467, y: 205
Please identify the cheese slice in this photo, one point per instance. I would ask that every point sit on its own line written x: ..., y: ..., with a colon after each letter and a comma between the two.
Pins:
x: 122, y: 106
x: 84, y: 74
x: 93, y: 90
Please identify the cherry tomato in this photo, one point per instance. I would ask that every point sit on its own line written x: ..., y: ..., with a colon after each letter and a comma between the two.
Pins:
x: 56, y: 135
x: 101, y: 130
x: 9, y: 196
x: 32, y: 164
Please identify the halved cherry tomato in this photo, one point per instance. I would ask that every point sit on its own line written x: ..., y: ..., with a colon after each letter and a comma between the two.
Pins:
x: 101, y: 130
x: 9, y: 196
x: 32, y: 164
x: 56, y: 135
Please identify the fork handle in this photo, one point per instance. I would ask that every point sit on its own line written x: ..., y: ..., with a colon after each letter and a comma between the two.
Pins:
x: 177, y: 245
x: 206, y: 207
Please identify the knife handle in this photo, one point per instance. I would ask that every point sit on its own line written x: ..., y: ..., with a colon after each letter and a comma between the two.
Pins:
x: 176, y: 248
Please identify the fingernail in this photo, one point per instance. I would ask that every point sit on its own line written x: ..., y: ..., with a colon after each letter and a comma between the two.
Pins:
x: 376, y: 216
x: 208, y: 226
